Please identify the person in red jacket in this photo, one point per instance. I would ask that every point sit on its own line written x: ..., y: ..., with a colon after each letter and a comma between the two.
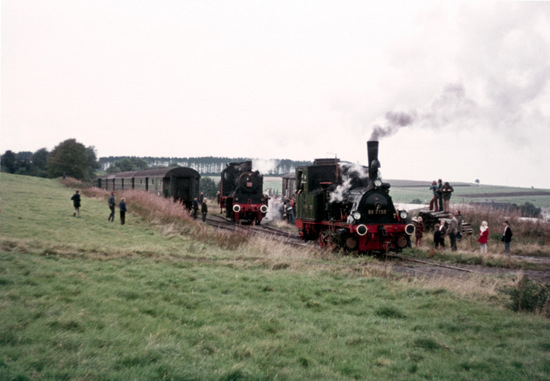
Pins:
x: 483, y: 237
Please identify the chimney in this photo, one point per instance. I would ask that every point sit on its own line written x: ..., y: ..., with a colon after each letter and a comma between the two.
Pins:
x: 374, y: 164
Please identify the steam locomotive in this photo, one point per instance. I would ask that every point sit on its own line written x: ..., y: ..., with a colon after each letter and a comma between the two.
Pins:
x: 342, y: 205
x: 241, y: 193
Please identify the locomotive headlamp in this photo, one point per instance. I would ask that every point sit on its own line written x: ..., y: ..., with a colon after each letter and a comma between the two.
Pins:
x: 378, y: 182
x: 362, y: 230
x: 356, y: 216
x: 409, y: 229
x: 263, y: 208
x: 236, y: 208
x: 403, y: 215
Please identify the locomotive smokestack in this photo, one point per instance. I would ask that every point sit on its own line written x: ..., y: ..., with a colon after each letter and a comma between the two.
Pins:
x: 374, y: 164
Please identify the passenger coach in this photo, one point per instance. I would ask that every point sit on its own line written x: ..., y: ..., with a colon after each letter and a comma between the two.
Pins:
x: 181, y: 183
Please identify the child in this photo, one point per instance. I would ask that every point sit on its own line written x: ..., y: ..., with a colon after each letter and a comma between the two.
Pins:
x: 483, y: 237
x: 438, y: 240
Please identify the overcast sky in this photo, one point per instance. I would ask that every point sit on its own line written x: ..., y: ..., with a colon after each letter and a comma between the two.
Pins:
x: 453, y: 90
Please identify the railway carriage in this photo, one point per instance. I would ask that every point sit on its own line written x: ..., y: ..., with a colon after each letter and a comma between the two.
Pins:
x: 181, y: 183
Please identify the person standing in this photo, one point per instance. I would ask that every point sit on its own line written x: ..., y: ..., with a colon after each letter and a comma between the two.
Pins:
x: 195, y: 208
x: 433, y: 201
x: 112, y: 207
x: 76, y: 203
x: 440, y: 193
x: 446, y: 194
x: 123, y: 210
x: 459, y: 218
x: 419, y: 231
x: 453, y: 231
x: 439, y: 243
x: 204, y: 209
x: 483, y: 237
x: 507, y: 237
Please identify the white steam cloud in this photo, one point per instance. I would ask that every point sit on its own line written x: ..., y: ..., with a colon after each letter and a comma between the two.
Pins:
x: 352, y: 169
x: 264, y: 166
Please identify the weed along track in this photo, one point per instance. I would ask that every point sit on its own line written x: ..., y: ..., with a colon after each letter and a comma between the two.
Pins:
x: 399, y: 263
x: 263, y: 231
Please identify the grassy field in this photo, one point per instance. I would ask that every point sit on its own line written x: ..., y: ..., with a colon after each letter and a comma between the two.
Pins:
x: 163, y: 297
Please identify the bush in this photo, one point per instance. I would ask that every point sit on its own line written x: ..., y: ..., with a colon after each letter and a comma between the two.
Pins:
x: 530, y: 296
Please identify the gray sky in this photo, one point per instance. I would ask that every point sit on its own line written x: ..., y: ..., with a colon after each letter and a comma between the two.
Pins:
x: 453, y: 90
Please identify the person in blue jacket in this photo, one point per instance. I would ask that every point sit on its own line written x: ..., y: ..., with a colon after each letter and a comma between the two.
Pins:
x: 123, y: 210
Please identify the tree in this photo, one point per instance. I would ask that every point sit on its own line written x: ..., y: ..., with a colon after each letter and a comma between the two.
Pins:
x: 93, y: 164
x: 8, y: 162
x: 477, y: 181
x: 208, y: 186
x: 39, y: 163
x: 128, y: 164
x: 70, y: 158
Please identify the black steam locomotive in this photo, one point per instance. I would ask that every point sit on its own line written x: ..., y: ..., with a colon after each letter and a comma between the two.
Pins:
x: 347, y: 206
x: 241, y: 193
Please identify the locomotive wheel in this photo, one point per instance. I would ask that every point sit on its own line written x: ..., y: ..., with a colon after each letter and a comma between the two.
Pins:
x: 322, y: 240
x: 326, y: 241
x: 351, y: 243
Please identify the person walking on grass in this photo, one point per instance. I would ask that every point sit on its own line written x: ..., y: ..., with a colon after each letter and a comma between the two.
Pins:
x: 483, y: 237
x: 112, y: 207
x: 76, y: 203
x: 507, y: 236
x: 123, y: 210
x: 204, y: 209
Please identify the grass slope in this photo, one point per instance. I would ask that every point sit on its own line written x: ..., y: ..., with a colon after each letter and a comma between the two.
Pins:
x: 82, y: 298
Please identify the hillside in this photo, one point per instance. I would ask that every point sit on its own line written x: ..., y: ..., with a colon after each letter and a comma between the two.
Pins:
x: 164, y: 297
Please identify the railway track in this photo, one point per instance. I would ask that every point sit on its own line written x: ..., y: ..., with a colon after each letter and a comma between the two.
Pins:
x: 400, y: 262
x: 223, y: 223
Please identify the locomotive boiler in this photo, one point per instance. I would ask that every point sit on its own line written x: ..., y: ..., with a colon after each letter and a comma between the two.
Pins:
x: 241, y: 193
x: 342, y: 205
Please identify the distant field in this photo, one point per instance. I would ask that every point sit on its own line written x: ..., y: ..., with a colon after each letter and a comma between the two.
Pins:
x: 405, y: 191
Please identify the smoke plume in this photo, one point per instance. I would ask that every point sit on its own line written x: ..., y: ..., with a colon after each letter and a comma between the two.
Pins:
x: 450, y: 106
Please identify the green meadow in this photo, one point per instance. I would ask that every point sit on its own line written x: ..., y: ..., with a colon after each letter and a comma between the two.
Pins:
x: 160, y: 298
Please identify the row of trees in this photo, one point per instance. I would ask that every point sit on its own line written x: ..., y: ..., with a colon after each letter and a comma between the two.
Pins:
x: 206, y: 165
x: 71, y: 158
x: 68, y: 158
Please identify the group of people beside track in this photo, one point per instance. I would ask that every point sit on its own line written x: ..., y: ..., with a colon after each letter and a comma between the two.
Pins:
x: 201, y: 200
x: 452, y: 227
x: 448, y: 227
x: 441, y: 200
x: 483, y: 236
